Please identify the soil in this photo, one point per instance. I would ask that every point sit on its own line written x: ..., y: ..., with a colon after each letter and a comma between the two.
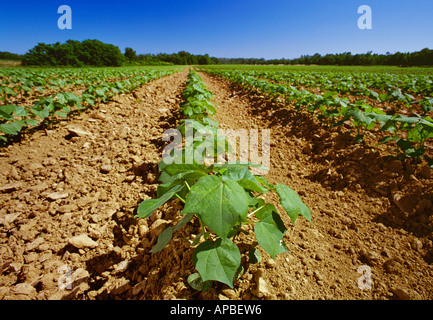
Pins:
x: 69, y: 194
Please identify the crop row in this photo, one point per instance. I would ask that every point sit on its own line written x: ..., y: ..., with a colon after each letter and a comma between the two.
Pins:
x: 223, y: 196
x: 14, y: 118
x: 28, y: 82
x: 410, y: 133
x: 348, y: 82
x: 410, y: 84
x: 405, y: 90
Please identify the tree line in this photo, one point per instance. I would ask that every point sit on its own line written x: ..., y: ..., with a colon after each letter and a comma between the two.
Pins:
x: 97, y: 53
x: 418, y: 58
x: 4, y: 55
x: 180, y: 58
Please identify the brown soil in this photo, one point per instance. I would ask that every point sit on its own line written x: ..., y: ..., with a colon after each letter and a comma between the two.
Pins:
x: 69, y: 194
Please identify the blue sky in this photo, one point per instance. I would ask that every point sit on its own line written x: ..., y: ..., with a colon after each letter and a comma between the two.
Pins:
x: 234, y: 28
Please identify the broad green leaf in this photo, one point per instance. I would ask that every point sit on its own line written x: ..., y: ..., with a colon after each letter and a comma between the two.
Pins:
x: 61, y: 98
x: 264, y: 210
x: 270, y: 232
x: 170, y: 181
x: 32, y: 122
x: 403, y: 144
x: 219, y: 203
x: 217, y: 260
x: 8, y: 111
x: 253, y: 202
x: 10, y: 128
x: 190, y: 124
x: 265, y: 182
x: 242, y: 174
x: 383, y: 97
x: 100, y: 92
x: 41, y: 113
x: 175, y: 169
x: 292, y: 203
x: 188, y: 111
x: 163, y: 239
x: 179, y: 162
x: 146, y: 207
x: 252, y: 185
x: 19, y: 111
x: 5, y: 116
x: 197, y: 283
x: 387, y: 139
x: 61, y: 114
x: 72, y: 98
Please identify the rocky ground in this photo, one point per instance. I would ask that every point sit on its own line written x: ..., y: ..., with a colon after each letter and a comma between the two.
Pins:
x: 69, y: 193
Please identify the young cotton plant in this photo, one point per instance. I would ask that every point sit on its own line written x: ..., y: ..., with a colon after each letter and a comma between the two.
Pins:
x: 223, y: 197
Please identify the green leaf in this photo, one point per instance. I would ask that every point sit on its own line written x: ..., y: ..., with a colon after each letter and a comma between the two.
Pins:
x: 100, y: 92
x: 170, y: 181
x: 7, y: 111
x: 292, y: 203
x: 263, y: 212
x: 186, y: 218
x: 164, y: 188
x: 163, y: 239
x: 265, y: 182
x: 197, y: 283
x: 5, y: 116
x: 10, y: 128
x: 32, y: 122
x: 41, y: 113
x: 270, y: 232
x: 254, y: 255
x: 404, y: 144
x: 242, y: 174
x: 146, y: 207
x: 219, y: 203
x: 387, y: 139
x: 61, y: 98
x: 174, y: 168
x: 217, y: 260
x: 383, y: 97
x: 61, y: 114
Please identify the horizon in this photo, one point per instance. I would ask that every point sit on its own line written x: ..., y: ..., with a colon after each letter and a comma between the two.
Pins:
x: 225, y: 29
x: 246, y: 58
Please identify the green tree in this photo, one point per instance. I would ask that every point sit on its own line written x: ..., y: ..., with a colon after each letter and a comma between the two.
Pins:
x: 130, y: 54
x: 74, y: 53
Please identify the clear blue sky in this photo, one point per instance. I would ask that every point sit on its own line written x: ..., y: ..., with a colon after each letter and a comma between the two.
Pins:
x: 223, y: 28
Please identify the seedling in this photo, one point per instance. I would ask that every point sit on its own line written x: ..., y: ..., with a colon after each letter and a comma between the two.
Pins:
x: 223, y: 197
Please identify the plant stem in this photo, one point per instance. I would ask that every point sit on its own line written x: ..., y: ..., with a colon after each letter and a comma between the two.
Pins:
x: 256, y: 210
x: 187, y: 185
x: 203, y: 229
x: 181, y: 199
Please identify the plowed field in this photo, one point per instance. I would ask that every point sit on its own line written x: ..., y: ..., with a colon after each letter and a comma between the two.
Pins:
x: 69, y: 193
